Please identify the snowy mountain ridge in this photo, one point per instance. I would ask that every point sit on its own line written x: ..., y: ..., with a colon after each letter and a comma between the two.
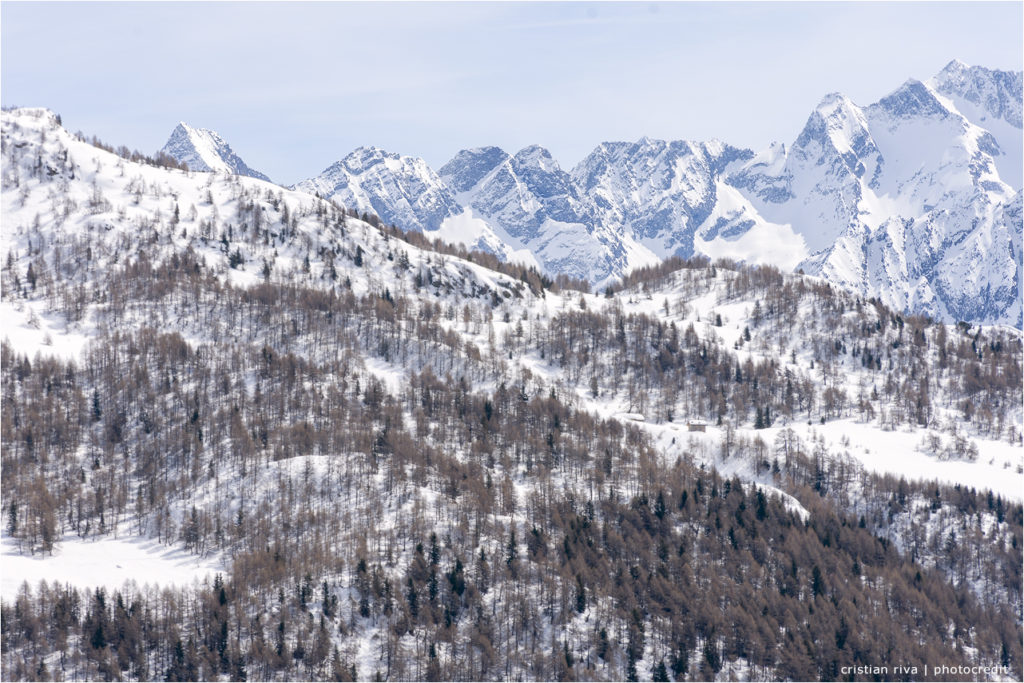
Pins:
x: 906, y: 199
x: 399, y: 189
x: 911, y: 194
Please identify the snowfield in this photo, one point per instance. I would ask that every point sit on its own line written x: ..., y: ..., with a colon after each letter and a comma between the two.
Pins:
x: 104, y: 562
x: 30, y: 329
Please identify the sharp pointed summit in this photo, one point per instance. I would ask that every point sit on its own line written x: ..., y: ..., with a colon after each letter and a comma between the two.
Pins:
x: 204, y: 150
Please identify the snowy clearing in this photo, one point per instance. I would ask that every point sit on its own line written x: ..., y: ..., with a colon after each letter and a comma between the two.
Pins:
x: 107, y: 562
x: 898, y: 452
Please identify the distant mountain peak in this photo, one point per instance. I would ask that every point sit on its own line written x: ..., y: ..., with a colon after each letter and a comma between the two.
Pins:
x: 399, y: 189
x: 955, y: 66
x: 998, y: 93
x: 469, y: 166
x: 834, y: 124
x: 372, y: 151
x: 487, y: 150
x: 535, y: 155
x: 204, y: 150
x: 831, y: 101
x: 364, y: 156
x: 912, y: 99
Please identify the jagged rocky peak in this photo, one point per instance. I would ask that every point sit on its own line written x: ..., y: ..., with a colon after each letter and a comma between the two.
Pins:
x: 913, y: 99
x: 634, y: 162
x: 837, y: 136
x: 402, y: 190
x: 589, y: 171
x: 470, y: 166
x: 367, y: 156
x: 955, y: 68
x: 544, y: 179
x: 355, y: 161
x: 204, y: 150
x: 720, y: 154
x: 361, y: 156
x: 833, y: 102
x: 836, y: 117
x: 999, y: 93
x: 375, y: 160
x: 535, y: 156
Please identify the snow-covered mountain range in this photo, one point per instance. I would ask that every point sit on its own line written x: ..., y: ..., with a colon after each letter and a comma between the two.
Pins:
x: 914, y: 199
x: 205, y: 150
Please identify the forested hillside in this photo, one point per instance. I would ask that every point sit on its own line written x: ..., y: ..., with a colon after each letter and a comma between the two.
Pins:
x: 414, y: 462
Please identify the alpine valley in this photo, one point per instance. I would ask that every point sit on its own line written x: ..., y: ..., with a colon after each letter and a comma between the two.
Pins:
x: 684, y: 412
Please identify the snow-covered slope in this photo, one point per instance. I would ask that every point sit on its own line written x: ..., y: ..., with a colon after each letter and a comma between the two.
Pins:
x: 901, y: 200
x: 819, y: 184
x: 990, y: 99
x: 244, y: 288
x: 204, y: 150
x: 75, y: 213
x: 244, y: 229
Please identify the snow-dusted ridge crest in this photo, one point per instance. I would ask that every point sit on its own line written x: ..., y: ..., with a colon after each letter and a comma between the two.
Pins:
x: 910, y: 199
x: 97, y: 199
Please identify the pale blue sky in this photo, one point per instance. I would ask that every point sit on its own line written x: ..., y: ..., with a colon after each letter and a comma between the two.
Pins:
x: 295, y: 86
